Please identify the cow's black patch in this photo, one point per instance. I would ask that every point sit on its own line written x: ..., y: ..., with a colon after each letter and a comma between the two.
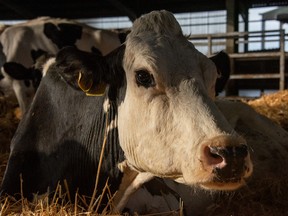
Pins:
x: 35, y: 54
x: 122, y: 37
x: 19, y: 72
x: 37, y: 76
x: 158, y: 187
x: 40, y: 170
x: 63, y: 34
x: 95, y: 50
x: 73, y: 127
x: 27, y: 83
x: 93, y: 67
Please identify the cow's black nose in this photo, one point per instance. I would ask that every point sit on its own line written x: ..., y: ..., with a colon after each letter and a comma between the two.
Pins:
x: 231, y: 165
x: 229, y: 152
x: 227, y: 157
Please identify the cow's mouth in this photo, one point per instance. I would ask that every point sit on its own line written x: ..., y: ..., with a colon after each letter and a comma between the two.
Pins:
x: 229, y: 177
x: 223, y: 184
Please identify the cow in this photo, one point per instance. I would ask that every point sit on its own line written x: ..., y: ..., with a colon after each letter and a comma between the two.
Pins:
x: 267, y: 187
x: 146, y: 108
x: 23, y: 43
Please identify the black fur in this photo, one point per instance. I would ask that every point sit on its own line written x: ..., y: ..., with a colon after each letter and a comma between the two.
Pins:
x: 64, y: 34
x: 222, y: 62
x: 35, y: 54
x: 60, y: 137
x: 93, y: 66
x: 19, y: 72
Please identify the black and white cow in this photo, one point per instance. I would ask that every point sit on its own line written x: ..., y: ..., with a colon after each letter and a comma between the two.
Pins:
x: 153, y: 114
x: 24, y: 42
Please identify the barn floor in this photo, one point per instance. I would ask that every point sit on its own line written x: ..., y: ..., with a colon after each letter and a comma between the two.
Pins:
x: 272, y: 201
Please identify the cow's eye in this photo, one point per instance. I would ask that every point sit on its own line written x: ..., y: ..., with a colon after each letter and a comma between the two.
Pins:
x: 144, y: 78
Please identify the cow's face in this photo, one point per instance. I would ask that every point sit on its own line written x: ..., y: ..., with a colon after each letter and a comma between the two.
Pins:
x: 168, y: 123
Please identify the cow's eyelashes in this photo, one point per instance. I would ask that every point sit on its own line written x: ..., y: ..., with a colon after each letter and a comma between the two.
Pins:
x: 144, y: 78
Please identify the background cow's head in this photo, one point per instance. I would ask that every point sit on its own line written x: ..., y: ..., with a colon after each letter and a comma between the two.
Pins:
x: 167, y: 121
x: 32, y: 75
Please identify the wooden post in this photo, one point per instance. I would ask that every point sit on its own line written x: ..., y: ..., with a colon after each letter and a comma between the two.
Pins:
x: 209, y: 45
x: 232, y: 24
x: 246, y: 29
x: 231, y: 47
x: 282, y: 60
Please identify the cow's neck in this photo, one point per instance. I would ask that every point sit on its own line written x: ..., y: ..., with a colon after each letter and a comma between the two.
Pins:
x: 131, y: 179
x: 111, y: 153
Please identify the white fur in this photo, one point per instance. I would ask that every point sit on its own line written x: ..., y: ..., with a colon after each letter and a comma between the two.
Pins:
x: 162, y: 129
x: 153, y: 204
x: 46, y: 66
x: 131, y: 182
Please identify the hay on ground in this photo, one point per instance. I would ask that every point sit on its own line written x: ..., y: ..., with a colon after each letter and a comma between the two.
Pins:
x: 270, y: 200
x: 9, y: 119
x: 274, y: 106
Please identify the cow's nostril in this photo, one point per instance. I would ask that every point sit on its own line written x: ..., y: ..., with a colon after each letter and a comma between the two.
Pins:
x: 236, y: 152
x: 216, y: 156
x: 242, y: 151
x: 212, y: 157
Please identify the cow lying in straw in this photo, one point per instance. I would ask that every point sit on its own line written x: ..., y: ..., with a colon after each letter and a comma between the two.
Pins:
x: 153, y: 115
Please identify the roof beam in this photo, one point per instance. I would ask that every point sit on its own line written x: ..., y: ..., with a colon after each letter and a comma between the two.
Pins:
x: 126, y: 10
x: 26, y: 14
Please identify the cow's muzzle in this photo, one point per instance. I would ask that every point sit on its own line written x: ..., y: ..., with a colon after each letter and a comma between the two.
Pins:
x: 227, y: 159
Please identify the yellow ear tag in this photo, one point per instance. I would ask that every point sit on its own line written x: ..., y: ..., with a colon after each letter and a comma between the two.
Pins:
x: 85, y: 86
x: 99, y: 90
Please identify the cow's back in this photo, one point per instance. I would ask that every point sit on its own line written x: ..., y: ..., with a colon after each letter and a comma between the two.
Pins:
x: 18, y: 41
x: 47, y: 35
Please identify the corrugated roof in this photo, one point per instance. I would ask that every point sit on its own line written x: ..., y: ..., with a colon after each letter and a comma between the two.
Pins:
x: 28, y: 9
x: 280, y: 14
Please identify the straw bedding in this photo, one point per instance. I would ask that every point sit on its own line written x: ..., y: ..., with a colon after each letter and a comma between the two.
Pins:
x: 269, y: 200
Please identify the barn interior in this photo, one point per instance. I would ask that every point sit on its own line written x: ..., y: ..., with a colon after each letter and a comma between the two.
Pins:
x: 17, y: 9
x: 261, y: 69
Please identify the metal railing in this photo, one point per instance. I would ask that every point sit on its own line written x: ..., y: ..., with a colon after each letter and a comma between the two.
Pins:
x: 244, y: 39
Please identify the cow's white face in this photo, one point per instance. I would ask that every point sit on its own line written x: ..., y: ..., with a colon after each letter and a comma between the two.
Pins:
x: 168, y: 122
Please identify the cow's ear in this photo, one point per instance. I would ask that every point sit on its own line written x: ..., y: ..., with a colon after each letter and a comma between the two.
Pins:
x: 222, y: 62
x: 91, y: 72
x: 17, y: 71
x: 82, y: 70
x: 108, y: 70
x: 114, y: 60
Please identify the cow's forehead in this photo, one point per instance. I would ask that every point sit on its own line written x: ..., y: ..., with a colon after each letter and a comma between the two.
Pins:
x: 173, y: 58
x: 156, y: 41
x: 158, y: 51
x: 162, y: 23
